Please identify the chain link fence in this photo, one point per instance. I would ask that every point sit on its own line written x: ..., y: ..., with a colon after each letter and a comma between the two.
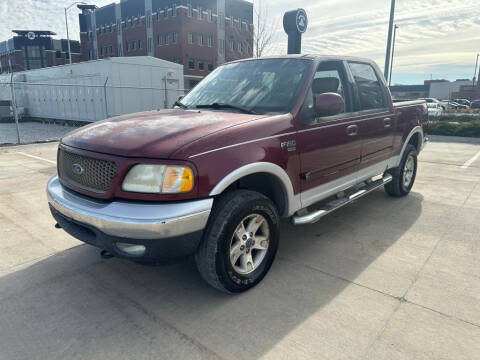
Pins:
x: 45, y: 110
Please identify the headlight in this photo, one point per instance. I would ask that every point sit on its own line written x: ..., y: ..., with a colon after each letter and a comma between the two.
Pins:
x: 158, y: 179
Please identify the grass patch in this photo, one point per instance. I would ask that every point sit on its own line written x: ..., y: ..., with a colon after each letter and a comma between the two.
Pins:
x: 459, y: 118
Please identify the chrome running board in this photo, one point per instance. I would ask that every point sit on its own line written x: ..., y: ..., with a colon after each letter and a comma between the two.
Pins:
x: 333, y: 205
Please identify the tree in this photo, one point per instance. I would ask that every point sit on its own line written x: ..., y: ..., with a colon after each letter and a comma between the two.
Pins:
x: 264, y: 28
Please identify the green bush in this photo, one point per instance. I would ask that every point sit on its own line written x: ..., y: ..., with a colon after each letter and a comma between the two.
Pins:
x: 464, y: 129
x: 460, y: 118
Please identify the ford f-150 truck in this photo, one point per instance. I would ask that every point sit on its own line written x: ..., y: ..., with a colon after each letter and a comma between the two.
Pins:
x: 256, y: 140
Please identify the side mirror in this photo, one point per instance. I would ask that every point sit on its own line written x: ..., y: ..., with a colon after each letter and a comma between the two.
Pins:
x: 329, y: 104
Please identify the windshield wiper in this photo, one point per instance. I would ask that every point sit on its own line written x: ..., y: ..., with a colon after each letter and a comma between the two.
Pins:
x: 180, y: 104
x: 217, y: 105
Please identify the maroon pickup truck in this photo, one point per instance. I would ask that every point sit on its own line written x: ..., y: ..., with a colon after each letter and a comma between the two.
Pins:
x: 256, y: 140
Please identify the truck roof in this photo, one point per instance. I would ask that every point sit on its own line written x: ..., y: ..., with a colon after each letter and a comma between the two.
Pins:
x: 309, y: 57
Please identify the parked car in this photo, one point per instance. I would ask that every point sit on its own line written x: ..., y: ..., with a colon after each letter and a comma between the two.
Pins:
x: 434, y: 101
x: 254, y: 141
x: 475, y: 104
x: 464, y: 102
x: 434, y: 109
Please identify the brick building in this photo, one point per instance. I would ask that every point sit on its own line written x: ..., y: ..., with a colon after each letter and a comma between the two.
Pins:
x: 34, y: 50
x: 200, y: 34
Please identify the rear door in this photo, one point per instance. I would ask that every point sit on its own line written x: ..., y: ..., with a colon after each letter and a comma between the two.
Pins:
x: 377, y: 127
x: 330, y: 146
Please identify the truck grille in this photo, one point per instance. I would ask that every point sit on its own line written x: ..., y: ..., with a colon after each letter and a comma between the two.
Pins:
x: 87, y: 173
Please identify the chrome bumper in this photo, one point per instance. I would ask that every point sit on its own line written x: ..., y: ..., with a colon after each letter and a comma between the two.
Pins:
x: 130, y: 219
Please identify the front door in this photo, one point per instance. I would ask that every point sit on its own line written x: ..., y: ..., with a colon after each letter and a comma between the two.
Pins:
x: 329, y: 147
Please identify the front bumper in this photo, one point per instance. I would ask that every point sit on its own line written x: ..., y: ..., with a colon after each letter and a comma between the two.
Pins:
x: 167, y: 230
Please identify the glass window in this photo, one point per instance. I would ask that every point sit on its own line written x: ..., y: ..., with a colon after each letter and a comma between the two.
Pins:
x: 232, y: 45
x: 140, y: 44
x: 175, y: 37
x: 190, y: 38
x: 167, y: 39
x: 189, y: 10
x: 209, y: 16
x: 370, y: 91
x: 174, y: 10
x: 134, y: 45
x: 200, y: 39
x: 200, y: 13
x: 201, y: 65
x: 210, y: 66
x: 264, y: 86
x: 191, y: 64
x: 165, y: 12
x: 210, y: 41
x: 111, y: 50
x: 150, y: 44
x: 160, y: 39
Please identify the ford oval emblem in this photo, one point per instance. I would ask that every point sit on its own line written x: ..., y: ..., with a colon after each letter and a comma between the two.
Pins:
x: 78, y: 169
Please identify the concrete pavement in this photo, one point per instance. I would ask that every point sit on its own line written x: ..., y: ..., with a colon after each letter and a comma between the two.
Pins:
x: 382, y: 278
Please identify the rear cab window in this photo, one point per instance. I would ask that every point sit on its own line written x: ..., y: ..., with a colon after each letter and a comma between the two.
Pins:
x: 371, y: 94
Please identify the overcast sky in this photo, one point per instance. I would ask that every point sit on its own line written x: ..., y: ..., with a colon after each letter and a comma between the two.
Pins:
x: 438, y: 38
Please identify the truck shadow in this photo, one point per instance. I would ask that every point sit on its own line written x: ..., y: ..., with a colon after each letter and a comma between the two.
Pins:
x: 76, y: 305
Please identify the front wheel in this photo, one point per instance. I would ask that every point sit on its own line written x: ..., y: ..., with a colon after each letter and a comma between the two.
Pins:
x: 404, y: 175
x: 240, y: 241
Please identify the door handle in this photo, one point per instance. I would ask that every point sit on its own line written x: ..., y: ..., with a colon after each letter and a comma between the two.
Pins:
x: 352, y: 130
x: 387, y: 122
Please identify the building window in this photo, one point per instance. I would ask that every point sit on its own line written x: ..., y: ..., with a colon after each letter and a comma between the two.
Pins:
x: 200, y: 13
x: 240, y: 47
x: 221, y: 45
x: 160, y: 39
x: 119, y: 27
x: 120, y: 50
x: 209, y: 18
x: 150, y: 43
x: 167, y: 39
x: 189, y: 10
x: 134, y: 45
x: 165, y: 12
x: 232, y: 45
x: 201, y: 65
x: 220, y: 18
x: 158, y: 14
x: 210, y: 41
x: 149, y: 19
x: 190, y: 38
x: 128, y: 46
x: 174, y: 10
x: 200, y: 39
x: 140, y: 44
x: 191, y: 64
x: 111, y: 50
x: 210, y: 66
x: 175, y: 37
x: 90, y: 54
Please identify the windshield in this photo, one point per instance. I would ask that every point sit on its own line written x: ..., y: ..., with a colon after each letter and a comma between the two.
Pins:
x: 261, y: 86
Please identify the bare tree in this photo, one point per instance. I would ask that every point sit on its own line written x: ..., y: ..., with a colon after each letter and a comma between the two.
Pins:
x: 264, y: 28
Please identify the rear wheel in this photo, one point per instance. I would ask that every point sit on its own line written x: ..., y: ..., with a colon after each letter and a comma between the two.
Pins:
x: 240, y: 241
x: 404, y: 175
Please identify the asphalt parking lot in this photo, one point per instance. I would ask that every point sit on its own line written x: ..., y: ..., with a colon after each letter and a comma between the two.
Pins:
x: 382, y: 278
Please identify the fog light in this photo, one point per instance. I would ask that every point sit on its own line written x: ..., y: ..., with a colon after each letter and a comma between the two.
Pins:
x: 131, y: 249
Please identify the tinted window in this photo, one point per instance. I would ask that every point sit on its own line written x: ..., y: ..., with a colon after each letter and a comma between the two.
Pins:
x: 370, y: 90
x: 269, y: 85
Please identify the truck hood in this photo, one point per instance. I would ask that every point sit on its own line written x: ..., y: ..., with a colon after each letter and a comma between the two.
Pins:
x: 153, y: 134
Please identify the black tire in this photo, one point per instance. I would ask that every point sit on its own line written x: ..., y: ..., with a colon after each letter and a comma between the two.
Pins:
x: 213, y: 255
x: 397, y: 187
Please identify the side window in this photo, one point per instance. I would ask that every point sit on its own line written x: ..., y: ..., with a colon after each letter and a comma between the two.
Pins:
x: 370, y: 91
x: 329, y: 78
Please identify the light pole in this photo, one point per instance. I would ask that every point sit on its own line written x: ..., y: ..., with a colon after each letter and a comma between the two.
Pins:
x: 393, y: 54
x: 66, y: 24
x: 475, y: 73
x: 389, y: 40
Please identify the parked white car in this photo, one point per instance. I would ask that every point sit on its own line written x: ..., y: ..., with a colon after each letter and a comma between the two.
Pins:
x: 434, y: 109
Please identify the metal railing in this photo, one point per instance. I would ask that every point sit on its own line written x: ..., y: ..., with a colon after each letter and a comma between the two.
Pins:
x: 26, y: 107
